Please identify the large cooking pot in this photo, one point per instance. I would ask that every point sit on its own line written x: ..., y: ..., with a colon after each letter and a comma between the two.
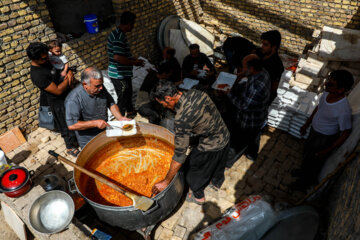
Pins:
x: 129, y: 217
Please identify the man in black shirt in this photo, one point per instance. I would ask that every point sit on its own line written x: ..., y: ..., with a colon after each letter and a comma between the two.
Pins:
x: 52, y: 91
x: 197, y: 65
x: 144, y: 105
x: 169, y: 57
x: 271, y: 61
x: 235, y: 49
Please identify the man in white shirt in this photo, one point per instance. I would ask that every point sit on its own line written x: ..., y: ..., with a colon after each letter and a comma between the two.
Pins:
x: 330, y: 127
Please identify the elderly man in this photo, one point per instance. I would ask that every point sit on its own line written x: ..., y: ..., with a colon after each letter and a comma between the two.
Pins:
x: 195, y: 114
x: 86, y: 107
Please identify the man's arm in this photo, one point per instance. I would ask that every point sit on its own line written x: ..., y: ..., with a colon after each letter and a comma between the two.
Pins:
x: 182, y: 139
x: 308, y: 122
x: 339, y: 141
x: 58, y: 89
x: 160, y: 186
x: 128, y: 61
x: 73, y: 114
x: 117, y: 114
x: 83, y: 125
x: 209, y: 64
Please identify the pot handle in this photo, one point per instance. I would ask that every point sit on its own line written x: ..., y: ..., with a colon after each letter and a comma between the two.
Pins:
x: 31, y: 173
x: 71, y: 184
x: 152, y: 209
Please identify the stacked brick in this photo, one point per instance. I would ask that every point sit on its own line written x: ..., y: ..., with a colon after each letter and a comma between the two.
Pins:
x: 326, y: 56
x: 295, y: 19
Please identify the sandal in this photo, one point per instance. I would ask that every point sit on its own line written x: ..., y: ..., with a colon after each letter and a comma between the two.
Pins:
x: 73, y: 152
x: 212, y: 186
x: 193, y: 199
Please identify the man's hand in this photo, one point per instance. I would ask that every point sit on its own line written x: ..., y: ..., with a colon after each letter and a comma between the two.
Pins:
x: 101, y: 124
x: 70, y: 78
x: 160, y: 186
x: 63, y: 73
x: 139, y: 62
x: 124, y: 119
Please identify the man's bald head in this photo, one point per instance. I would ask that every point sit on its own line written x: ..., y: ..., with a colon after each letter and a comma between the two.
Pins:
x: 91, y: 72
x: 92, y: 80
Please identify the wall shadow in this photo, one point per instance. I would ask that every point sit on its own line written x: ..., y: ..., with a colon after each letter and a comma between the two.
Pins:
x: 243, y: 29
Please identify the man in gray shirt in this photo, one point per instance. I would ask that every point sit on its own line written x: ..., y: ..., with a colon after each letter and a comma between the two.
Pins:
x: 86, y: 107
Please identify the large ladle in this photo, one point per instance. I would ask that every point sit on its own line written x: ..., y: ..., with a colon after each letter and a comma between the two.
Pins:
x: 139, y: 202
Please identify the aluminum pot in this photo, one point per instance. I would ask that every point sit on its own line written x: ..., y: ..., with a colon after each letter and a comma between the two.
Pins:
x: 16, y: 181
x: 129, y: 217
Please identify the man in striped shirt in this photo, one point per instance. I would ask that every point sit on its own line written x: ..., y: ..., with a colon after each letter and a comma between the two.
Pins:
x: 121, y: 63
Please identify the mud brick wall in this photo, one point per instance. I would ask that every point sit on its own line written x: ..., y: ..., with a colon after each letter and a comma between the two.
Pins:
x: 295, y: 19
x: 22, y: 22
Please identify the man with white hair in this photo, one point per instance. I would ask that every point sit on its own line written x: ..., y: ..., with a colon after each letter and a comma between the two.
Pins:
x: 86, y: 107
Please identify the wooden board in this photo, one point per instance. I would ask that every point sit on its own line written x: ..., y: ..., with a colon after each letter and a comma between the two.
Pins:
x: 11, y: 140
x: 14, y: 221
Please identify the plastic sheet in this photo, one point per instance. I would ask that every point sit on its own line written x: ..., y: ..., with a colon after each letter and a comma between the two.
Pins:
x: 247, y: 220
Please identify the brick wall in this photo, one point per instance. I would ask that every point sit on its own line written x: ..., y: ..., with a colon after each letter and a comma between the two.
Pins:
x: 22, y: 22
x: 295, y: 19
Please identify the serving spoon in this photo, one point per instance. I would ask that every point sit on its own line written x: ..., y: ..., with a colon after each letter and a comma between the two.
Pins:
x: 140, y: 202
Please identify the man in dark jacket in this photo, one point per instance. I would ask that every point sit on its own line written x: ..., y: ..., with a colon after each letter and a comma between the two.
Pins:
x: 197, y: 115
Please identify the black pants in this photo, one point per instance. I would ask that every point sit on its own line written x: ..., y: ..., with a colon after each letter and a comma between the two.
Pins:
x: 246, y: 137
x: 311, y: 164
x: 205, y: 167
x: 148, y: 110
x: 123, y: 89
x: 58, y: 110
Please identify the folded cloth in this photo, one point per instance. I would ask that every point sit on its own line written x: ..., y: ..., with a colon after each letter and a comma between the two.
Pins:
x: 115, y: 128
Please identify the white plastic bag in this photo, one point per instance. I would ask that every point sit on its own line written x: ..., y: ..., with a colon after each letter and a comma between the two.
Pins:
x: 248, y: 220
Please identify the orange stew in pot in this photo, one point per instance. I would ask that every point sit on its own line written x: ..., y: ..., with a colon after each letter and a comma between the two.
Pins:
x: 135, y: 163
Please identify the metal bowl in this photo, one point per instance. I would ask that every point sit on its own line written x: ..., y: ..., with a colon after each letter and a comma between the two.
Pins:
x: 51, y: 212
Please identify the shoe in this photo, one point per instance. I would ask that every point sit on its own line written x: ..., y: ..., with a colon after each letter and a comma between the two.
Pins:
x: 190, y: 198
x: 73, y: 152
x: 212, y: 186
x: 250, y: 157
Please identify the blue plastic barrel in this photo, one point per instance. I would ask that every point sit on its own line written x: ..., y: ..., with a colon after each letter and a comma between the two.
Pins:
x: 91, y: 23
